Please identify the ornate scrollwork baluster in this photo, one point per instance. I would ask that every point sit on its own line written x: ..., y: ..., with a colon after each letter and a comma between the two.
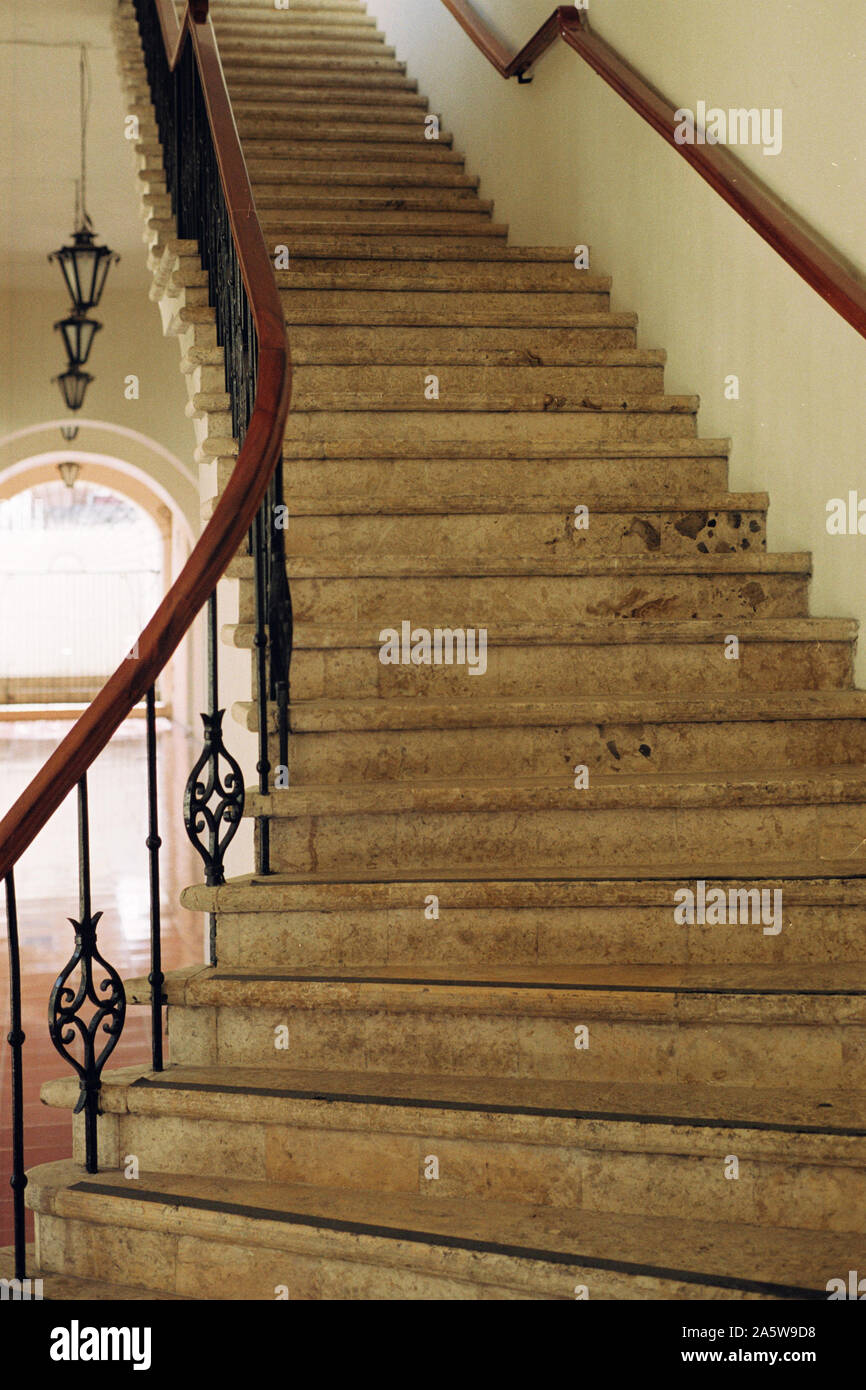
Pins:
x: 80, y: 1013
x: 213, y: 804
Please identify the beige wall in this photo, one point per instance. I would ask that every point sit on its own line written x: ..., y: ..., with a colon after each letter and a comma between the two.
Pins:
x: 567, y: 162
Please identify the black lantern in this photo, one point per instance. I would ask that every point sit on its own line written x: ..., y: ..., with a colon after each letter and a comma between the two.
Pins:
x: 85, y: 267
x: 73, y: 383
x: 69, y: 432
x: 78, y: 334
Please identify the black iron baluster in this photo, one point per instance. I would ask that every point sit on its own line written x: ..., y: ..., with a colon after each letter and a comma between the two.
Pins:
x: 198, y: 203
x: 222, y: 822
x: 260, y: 640
x: 15, y: 1038
x: 108, y: 1001
x: 153, y: 843
x: 280, y: 619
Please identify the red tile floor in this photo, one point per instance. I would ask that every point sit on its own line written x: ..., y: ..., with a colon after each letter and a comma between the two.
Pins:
x: 46, y: 882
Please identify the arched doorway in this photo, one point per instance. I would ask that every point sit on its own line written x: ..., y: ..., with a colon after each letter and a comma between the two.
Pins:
x: 82, y: 569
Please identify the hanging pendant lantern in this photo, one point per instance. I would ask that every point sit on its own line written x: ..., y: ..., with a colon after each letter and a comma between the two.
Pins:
x: 85, y: 267
x: 73, y: 383
x: 78, y: 334
x: 69, y: 432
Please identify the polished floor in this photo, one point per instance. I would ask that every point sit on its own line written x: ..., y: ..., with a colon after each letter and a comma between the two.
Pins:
x: 46, y: 882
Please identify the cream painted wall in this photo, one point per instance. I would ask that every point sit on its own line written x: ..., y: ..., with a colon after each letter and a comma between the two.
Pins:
x: 567, y: 162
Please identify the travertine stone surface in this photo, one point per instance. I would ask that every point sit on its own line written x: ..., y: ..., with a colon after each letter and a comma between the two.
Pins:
x: 458, y: 1046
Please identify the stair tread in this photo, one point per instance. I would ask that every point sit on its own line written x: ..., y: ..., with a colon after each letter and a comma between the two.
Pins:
x: 446, y: 567
x: 766, y: 978
x: 611, y: 791
x: 621, y: 632
x: 741, y: 870
x: 733, y: 1107
x: 780, y: 1262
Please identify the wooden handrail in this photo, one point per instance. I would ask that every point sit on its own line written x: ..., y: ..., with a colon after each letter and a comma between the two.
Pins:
x: 798, y: 244
x: 239, y: 503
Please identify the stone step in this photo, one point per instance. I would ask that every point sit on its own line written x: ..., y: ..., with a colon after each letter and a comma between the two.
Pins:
x: 370, y: 200
x: 565, y: 667
x: 413, y: 739
x: 200, y: 1237
x: 390, y: 99
x: 717, y: 525
x: 361, y: 222
x: 547, y: 821
x: 302, y: 113
x: 287, y: 58
x: 280, y: 923
x: 298, y: 130
x: 339, y: 590
x: 270, y: 173
x: 510, y: 426
x: 477, y: 276
x: 335, y: 387
x: 507, y: 309
x: 655, y: 1150
x: 588, y: 334
x: 273, y: 23
x: 235, y: 44
x: 800, y: 1026
x: 626, y: 372
x: 341, y: 153
x: 286, y: 76
x: 338, y: 482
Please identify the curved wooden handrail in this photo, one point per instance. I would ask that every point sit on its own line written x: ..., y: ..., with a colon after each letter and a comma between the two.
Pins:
x: 240, y: 501
x: 799, y: 245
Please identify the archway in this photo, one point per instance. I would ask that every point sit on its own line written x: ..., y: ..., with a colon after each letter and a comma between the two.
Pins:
x: 135, y: 490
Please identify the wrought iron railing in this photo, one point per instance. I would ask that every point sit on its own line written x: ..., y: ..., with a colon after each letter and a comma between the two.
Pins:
x: 211, y: 200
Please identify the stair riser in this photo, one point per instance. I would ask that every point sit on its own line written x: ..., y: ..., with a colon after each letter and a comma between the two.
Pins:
x: 312, y: 383
x: 342, y: 153
x: 612, y: 748
x: 283, y: 25
x: 684, y: 1177
x: 477, y: 276
x: 707, y: 1052
x: 480, y: 602
x: 502, y: 483
x: 461, y: 345
x: 236, y: 46
x: 550, y: 672
x: 391, y: 99
x: 527, y: 433
x: 430, y: 308
x: 360, y: 939
x: 335, y: 1267
x: 529, y: 536
x: 285, y: 81
x: 276, y: 173
x: 271, y: 204
x: 254, y: 55
x: 569, y: 842
x: 711, y: 748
